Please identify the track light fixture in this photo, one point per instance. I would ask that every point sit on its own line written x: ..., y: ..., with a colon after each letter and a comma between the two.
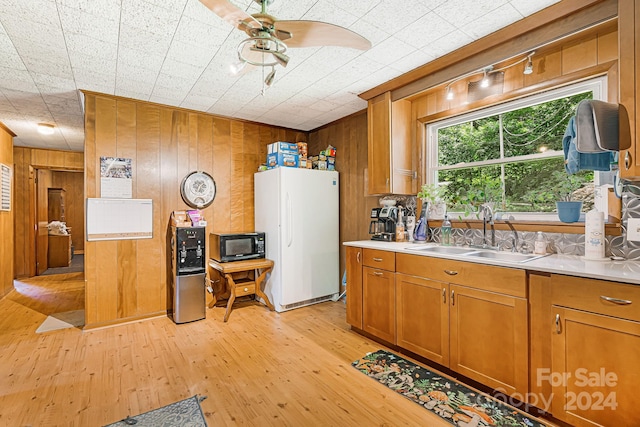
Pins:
x: 528, y: 68
x: 485, y: 79
x: 486, y: 74
x: 450, y: 95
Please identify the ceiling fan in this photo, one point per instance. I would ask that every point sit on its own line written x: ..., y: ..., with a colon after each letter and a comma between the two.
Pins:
x: 266, y: 45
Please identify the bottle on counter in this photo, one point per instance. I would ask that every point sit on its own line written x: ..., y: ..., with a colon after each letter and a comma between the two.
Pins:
x: 540, y: 244
x: 445, y: 231
x: 400, y: 228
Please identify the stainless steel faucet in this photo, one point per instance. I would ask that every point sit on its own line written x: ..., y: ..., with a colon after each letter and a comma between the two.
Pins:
x: 514, y: 238
x: 487, y: 217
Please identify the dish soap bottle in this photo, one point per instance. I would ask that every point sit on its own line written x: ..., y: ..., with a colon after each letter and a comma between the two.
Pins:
x: 445, y: 231
x: 540, y: 244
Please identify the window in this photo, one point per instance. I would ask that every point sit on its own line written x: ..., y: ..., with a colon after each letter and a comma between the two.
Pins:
x: 507, y: 154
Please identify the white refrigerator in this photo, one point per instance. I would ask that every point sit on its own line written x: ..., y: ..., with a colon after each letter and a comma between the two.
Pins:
x: 298, y: 211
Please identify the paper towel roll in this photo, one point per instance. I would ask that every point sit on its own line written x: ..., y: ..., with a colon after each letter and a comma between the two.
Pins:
x: 594, y: 235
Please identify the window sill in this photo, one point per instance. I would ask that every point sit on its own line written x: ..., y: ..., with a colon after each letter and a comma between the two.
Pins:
x: 612, y: 228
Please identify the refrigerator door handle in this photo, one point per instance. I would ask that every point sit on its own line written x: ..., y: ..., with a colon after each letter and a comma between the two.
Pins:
x: 289, y: 222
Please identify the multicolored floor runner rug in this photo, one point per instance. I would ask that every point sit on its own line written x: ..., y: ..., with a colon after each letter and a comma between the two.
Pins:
x: 452, y: 401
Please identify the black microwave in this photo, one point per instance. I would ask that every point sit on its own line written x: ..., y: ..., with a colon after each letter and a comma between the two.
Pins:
x: 236, y: 246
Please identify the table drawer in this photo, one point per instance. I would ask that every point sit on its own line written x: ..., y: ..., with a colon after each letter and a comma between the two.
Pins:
x: 248, y: 288
x: 383, y: 260
x: 596, y: 296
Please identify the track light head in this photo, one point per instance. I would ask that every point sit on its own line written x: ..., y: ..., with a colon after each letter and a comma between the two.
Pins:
x: 528, y: 68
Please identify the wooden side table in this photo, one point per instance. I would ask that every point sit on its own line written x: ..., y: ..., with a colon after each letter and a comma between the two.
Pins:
x: 241, y: 280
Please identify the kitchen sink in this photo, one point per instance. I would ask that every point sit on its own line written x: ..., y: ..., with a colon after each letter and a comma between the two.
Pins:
x: 450, y: 250
x: 505, y: 256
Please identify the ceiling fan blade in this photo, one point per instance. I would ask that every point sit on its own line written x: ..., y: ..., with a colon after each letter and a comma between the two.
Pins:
x: 315, y: 33
x: 232, y: 14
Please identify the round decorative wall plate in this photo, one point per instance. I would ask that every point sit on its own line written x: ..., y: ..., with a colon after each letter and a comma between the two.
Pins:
x: 198, y: 189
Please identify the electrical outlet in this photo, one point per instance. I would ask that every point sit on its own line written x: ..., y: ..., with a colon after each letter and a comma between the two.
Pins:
x: 633, y: 229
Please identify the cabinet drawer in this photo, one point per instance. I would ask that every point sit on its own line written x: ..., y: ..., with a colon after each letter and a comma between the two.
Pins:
x: 383, y: 260
x: 509, y: 281
x: 597, y: 296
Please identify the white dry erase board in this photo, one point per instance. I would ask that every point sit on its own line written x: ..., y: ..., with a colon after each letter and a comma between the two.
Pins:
x: 116, y: 219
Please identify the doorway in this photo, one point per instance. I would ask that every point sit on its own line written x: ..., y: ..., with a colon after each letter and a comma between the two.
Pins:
x: 59, y: 221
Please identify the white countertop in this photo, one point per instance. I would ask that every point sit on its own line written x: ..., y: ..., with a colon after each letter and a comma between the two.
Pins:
x: 571, y: 265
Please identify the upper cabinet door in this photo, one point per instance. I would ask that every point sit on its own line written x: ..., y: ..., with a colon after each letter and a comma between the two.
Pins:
x: 392, y: 154
x: 379, y: 116
x: 628, y: 63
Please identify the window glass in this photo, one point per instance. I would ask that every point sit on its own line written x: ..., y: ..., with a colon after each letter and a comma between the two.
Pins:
x: 508, y: 154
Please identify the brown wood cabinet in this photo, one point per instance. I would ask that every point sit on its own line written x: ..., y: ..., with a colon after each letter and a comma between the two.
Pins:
x: 392, y: 161
x: 465, y: 316
x: 59, y: 254
x: 378, y: 294
x: 629, y: 68
x: 595, y: 352
x: 423, y: 317
x: 354, y: 286
x: 56, y: 204
x: 488, y: 338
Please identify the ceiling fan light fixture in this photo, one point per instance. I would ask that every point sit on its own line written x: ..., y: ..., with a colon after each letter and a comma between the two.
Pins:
x: 46, y: 128
x: 270, y: 77
x: 236, y: 67
x: 281, y: 58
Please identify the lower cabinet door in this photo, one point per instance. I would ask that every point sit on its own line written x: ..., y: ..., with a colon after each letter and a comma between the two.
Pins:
x: 379, y: 304
x: 489, y: 339
x: 595, y: 369
x: 354, y: 286
x: 422, y: 311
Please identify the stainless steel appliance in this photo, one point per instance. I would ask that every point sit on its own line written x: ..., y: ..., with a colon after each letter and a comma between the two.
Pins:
x: 388, y: 217
x: 376, y: 226
x: 236, y: 246
x: 188, y: 273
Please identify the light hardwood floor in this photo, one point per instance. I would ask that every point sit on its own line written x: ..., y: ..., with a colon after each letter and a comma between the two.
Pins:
x: 260, y: 368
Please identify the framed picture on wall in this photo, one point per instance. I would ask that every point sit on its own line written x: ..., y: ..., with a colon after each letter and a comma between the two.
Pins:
x: 5, y: 192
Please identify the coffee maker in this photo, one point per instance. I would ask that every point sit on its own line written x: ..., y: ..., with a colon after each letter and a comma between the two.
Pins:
x: 383, y: 227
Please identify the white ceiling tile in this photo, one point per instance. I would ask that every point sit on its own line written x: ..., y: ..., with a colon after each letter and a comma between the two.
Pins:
x: 427, y: 28
x: 41, y: 12
x: 413, y: 60
x: 528, y: 7
x: 497, y: 18
x: 461, y: 12
x: 153, y: 43
x: 446, y: 44
x: 326, y: 12
x: 150, y: 18
x: 393, y: 16
x: 389, y: 51
x: 200, y: 34
x: 174, y: 6
x: 91, y: 47
x: 139, y: 58
x: 60, y: 68
x: 133, y: 94
x: 357, y: 7
x: 191, y: 54
x: 75, y: 21
x: 108, y: 9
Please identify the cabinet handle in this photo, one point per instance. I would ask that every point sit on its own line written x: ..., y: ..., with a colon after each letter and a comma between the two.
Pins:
x: 451, y: 272
x: 558, y: 331
x: 453, y: 300
x: 627, y: 160
x: 377, y: 259
x: 377, y: 273
x: 358, y: 257
x: 444, y: 295
x: 616, y: 300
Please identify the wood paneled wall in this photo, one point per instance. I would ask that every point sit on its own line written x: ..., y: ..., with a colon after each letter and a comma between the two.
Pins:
x: 127, y: 279
x: 73, y: 183
x: 349, y: 136
x: 6, y: 217
x: 27, y: 160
